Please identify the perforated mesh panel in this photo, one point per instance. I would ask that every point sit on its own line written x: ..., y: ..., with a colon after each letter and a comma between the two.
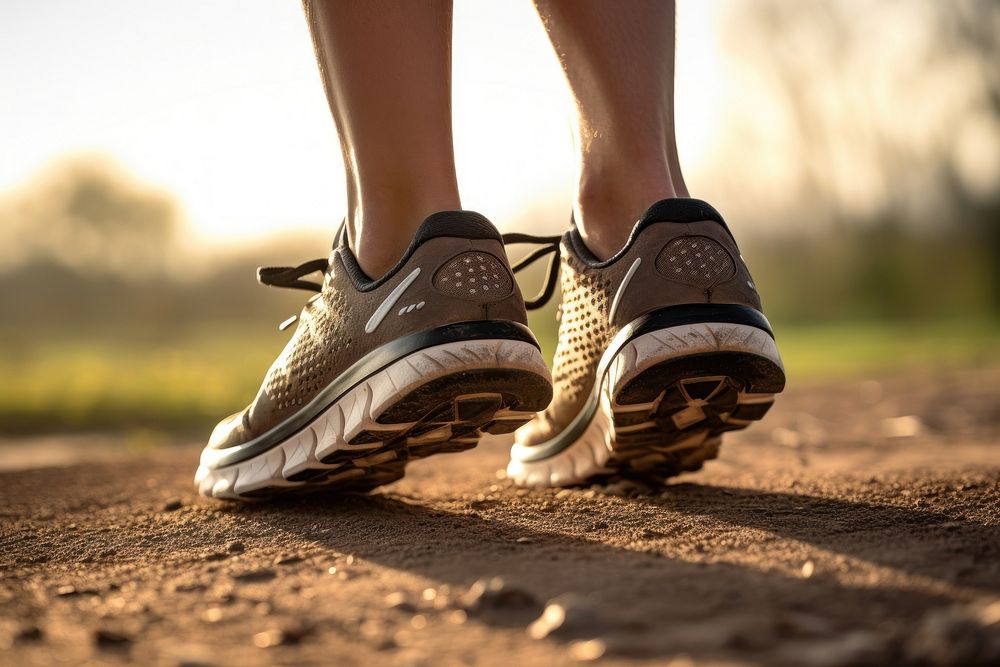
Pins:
x: 476, y: 276
x: 695, y: 260
x: 584, y: 331
x: 319, y: 342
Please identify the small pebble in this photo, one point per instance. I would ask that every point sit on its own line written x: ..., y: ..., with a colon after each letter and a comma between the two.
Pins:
x: 288, y: 559
x: 906, y: 426
x: 172, y: 504
x: 589, y: 650
x: 188, y: 586
x: 269, y: 638
x: 398, y: 601
x: 495, y: 593
x: 235, y: 548
x: 255, y: 575
x: 213, y: 615
x: 106, y: 638
x: 626, y: 488
x: 568, y: 616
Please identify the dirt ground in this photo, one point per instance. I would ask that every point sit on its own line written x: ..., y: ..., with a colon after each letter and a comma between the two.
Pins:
x: 858, y: 525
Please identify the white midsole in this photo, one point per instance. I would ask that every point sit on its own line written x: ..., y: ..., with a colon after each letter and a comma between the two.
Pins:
x: 358, y: 411
x: 590, y: 453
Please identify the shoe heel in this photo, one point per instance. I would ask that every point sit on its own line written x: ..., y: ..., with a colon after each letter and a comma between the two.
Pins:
x: 673, y: 392
x: 666, y: 397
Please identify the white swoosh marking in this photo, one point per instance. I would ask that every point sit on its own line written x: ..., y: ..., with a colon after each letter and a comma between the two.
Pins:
x: 390, y: 301
x: 621, y: 288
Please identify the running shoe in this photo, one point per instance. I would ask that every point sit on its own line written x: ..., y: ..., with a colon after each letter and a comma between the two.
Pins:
x: 661, y: 349
x: 423, y: 360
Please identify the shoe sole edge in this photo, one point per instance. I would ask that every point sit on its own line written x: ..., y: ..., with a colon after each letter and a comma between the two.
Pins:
x: 641, y: 428
x: 489, y: 385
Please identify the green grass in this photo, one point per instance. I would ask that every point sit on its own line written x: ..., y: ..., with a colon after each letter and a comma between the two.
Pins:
x: 186, y: 380
x: 182, y: 382
x: 814, y: 353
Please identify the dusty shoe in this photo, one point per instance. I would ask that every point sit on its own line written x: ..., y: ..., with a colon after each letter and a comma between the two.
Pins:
x: 423, y: 360
x: 661, y: 350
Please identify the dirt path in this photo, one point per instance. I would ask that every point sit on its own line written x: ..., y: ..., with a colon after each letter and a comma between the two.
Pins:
x: 859, y: 525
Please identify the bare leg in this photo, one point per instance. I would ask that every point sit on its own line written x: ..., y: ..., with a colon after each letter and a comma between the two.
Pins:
x: 619, y: 60
x: 386, y: 67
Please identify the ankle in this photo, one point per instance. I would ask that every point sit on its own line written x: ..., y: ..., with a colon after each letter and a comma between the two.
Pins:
x: 381, y: 227
x: 607, y: 209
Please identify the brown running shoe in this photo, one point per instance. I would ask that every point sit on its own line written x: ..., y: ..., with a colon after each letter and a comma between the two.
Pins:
x: 661, y: 350
x: 423, y: 360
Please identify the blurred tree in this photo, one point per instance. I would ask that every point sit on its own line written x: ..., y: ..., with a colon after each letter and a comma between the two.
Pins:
x: 885, y: 120
x: 88, y: 214
x: 888, y: 110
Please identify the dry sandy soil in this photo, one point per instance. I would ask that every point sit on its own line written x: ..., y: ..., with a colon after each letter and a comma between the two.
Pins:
x: 857, y: 525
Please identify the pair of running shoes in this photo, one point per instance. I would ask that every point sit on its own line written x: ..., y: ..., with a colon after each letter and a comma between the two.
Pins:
x: 661, y: 349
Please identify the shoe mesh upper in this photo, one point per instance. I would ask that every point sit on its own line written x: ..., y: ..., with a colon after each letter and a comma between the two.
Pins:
x: 584, y: 330
x: 318, y: 344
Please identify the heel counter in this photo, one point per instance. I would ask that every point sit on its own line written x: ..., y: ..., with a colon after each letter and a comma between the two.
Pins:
x: 675, y: 264
x: 474, y: 275
x: 732, y: 281
x: 475, y: 278
x: 696, y: 261
x: 681, y: 263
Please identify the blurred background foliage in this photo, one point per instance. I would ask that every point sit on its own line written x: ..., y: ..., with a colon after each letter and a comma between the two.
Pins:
x: 876, y: 247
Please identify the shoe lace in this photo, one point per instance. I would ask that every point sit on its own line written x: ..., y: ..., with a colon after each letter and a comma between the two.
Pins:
x: 550, y: 246
x: 292, y: 276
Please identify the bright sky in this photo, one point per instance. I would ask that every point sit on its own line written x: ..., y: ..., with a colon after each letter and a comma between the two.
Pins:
x: 220, y: 103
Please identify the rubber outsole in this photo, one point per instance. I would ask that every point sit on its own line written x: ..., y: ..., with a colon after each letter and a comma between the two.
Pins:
x: 662, y: 404
x: 435, y: 400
